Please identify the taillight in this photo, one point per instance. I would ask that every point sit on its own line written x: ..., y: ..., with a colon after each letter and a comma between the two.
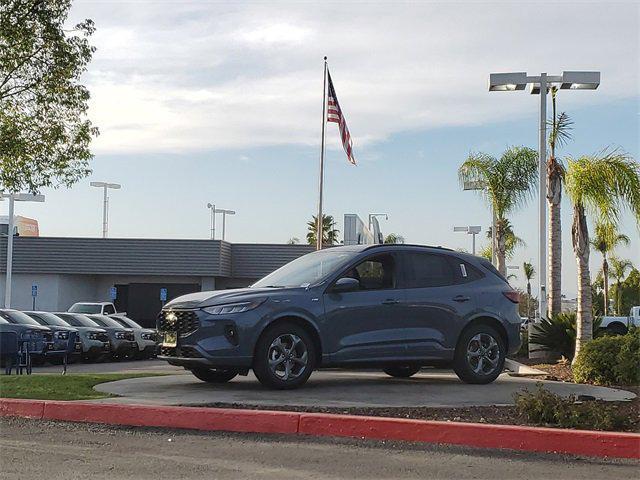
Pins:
x: 512, y: 295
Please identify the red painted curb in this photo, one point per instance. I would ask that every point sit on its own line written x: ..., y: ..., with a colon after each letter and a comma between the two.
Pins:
x: 533, y: 439
x: 230, y: 420
x: 21, y: 408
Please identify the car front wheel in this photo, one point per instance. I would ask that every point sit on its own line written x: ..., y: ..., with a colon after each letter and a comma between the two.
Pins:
x: 285, y: 357
x: 480, y: 355
x: 214, y: 375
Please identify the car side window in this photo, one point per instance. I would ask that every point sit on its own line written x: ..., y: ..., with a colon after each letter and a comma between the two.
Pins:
x: 427, y: 270
x: 375, y: 273
x: 109, y: 310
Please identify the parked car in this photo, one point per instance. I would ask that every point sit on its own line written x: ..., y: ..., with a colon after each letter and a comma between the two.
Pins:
x: 39, y: 339
x: 95, y: 340
x: 123, y: 344
x: 620, y: 325
x: 146, y: 338
x: 102, y: 308
x: 394, y: 307
x: 61, y: 331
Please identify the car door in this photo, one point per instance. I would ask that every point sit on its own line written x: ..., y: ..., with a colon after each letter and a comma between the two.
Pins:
x: 435, y: 304
x: 361, y: 325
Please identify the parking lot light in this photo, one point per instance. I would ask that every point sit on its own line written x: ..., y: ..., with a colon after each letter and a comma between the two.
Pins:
x: 105, y: 205
x: 470, y: 230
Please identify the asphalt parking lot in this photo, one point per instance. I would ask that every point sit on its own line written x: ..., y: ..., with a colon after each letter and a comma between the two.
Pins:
x: 37, y: 449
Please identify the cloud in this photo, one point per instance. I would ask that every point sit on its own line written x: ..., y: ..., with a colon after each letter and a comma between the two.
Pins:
x: 194, y: 76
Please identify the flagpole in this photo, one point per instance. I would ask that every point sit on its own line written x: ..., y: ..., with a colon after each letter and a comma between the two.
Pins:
x: 319, y: 222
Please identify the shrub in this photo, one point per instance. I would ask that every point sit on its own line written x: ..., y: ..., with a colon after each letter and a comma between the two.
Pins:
x: 610, y: 360
x: 558, y: 333
x: 545, y: 408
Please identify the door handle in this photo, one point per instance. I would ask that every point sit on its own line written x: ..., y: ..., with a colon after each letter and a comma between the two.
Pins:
x: 390, y: 301
x: 461, y: 298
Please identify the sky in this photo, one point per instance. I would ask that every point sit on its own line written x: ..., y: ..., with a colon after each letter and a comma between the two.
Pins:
x: 208, y: 101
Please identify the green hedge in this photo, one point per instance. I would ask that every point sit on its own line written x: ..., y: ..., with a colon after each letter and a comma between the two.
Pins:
x: 610, y: 360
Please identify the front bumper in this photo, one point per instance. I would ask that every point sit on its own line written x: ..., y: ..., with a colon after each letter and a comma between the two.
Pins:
x: 123, y: 348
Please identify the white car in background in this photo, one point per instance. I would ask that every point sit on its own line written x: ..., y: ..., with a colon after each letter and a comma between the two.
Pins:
x: 620, y: 325
x: 146, y: 338
x: 99, y: 308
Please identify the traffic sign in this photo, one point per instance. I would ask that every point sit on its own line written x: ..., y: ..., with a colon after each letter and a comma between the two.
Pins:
x: 113, y: 293
x: 34, y: 290
x: 163, y: 294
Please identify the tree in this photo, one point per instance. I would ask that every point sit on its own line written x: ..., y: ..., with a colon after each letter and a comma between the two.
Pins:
x: 558, y: 136
x: 511, y: 242
x: 529, y: 272
x: 293, y: 241
x: 394, y: 238
x: 601, y: 186
x: 329, y: 234
x: 619, y: 269
x: 605, y: 241
x: 44, y: 132
x: 628, y: 292
x: 508, y: 183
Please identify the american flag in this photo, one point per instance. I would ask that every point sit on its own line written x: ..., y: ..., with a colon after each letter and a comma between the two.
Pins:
x: 334, y: 114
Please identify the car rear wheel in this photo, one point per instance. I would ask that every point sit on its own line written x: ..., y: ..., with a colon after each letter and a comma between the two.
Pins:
x: 480, y: 355
x: 285, y: 357
x: 214, y: 375
x: 616, y: 329
x: 401, y: 371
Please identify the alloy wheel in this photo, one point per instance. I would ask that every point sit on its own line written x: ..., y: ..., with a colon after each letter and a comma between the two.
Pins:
x: 288, y: 357
x: 483, y: 354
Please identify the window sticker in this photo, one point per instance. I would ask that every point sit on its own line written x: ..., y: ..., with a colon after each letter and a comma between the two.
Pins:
x: 463, y: 270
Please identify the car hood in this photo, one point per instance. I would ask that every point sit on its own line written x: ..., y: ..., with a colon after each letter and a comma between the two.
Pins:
x: 217, y: 297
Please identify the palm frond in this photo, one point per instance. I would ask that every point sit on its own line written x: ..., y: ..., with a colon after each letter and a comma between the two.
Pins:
x: 560, y: 130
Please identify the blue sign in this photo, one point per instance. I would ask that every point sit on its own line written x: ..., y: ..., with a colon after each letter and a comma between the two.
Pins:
x: 163, y: 294
x: 34, y: 290
x: 113, y: 293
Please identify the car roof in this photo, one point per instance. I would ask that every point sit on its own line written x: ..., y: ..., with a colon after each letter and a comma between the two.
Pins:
x: 362, y: 248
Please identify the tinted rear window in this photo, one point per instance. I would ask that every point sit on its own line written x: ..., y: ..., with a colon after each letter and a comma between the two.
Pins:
x: 427, y: 270
x: 489, y: 266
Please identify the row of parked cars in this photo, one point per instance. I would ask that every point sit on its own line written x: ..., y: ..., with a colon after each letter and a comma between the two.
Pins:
x: 97, y: 336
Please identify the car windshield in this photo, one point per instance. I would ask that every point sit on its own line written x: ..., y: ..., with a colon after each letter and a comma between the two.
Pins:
x: 18, y: 317
x: 307, y: 270
x: 77, y: 320
x: 86, y: 308
x: 46, y: 318
x: 105, y: 321
x: 125, y: 321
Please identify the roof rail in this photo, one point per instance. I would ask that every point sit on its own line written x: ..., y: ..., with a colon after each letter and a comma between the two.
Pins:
x: 407, y: 245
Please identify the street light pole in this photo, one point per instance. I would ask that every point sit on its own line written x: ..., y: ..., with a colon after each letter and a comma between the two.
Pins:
x: 224, y: 218
x: 472, y: 230
x: 105, y: 204
x: 505, y: 82
x: 13, y: 197
x: 212, y: 207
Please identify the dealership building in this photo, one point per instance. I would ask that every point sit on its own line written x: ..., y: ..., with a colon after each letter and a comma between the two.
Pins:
x: 65, y: 270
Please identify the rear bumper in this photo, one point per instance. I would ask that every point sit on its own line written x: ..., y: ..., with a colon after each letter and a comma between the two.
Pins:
x: 514, y: 340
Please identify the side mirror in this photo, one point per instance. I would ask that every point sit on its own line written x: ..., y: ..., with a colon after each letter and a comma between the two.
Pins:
x: 345, y: 284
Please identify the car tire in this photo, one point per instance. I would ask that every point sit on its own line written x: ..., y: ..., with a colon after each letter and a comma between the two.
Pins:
x: 401, y: 371
x: 285, y: 357
x: 214, y: 375
x: 480, y: 355
x: 616, y: 329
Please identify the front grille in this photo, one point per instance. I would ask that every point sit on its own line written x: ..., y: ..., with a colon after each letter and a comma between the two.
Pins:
x: 183, y: 352
x: 48, y: 336
x: 181, y: 321
x: 103, y: 337
x: 129, y: 336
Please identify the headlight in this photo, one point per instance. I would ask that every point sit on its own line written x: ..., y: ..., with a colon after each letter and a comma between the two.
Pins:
x: 93, y: 335
x: 62, y: 335
x: 121, y: 335
x: 148, y: 336
x: 232, y: 308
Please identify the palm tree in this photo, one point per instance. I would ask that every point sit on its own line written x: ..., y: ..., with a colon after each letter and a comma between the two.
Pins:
x: 329, y: 234
x: 600, y: 185
x: 394, y: 238
x: 559, y: 135
x: 529, y: 272
x: 508, y: 182
x: 619, y: 269
x: 605, y: 241
x: 511, y: 242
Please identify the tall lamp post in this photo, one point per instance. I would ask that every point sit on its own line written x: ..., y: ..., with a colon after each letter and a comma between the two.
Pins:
x: 540, y: 84
x: 212, y: 208
x: 471, y: 230
x: 105, y: 204
x: 13, y: 197
x: 224, y: 217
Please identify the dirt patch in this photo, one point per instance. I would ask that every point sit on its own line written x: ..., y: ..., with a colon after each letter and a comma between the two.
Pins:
x: 507, y: 415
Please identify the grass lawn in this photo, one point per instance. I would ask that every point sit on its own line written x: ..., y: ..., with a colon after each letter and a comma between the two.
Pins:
x: 60, y: 387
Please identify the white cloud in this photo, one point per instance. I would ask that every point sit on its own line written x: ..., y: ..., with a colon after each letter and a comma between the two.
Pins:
x: 191, y: 76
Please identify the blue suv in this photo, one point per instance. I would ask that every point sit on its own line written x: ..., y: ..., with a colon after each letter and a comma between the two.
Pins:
x: 394, y: 307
